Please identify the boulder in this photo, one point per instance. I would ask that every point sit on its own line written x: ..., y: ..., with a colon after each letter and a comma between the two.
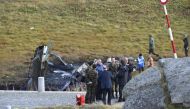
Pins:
x: 144, y: 91
x: 170, y: 79
x: 177, y: 73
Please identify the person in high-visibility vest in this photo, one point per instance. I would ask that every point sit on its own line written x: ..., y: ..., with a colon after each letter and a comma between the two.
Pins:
x: 140, y: 63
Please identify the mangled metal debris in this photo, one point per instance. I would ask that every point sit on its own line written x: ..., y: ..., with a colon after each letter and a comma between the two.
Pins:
x: 58, y: 74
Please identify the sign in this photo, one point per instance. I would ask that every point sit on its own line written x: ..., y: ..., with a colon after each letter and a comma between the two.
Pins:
x: 163, y: 2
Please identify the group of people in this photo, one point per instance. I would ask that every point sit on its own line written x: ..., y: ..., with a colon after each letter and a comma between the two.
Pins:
x: 108, y: 79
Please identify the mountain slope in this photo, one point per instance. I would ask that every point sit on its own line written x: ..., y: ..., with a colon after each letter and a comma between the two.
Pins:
x: 87, y: 28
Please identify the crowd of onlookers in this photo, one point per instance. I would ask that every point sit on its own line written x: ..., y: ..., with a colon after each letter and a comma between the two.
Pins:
x: 109, y: 79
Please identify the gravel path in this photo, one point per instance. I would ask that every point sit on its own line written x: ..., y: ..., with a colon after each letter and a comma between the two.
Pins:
x: 32, y: 99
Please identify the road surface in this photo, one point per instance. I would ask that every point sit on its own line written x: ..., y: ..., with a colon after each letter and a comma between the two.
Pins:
x: 33, y: 99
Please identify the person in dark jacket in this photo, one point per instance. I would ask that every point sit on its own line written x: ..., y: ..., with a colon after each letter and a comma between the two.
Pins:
x: 106, y: 85
x: 122, y: 77
x: 131, y: 67
x: 99, y: 69
x: 91, y: 82
x: 113, y: 66
x: 186, y: 45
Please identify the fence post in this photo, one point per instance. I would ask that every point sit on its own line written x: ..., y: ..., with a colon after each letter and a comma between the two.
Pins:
x: 41, y: 84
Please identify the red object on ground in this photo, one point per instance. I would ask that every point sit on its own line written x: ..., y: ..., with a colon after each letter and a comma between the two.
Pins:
x: 80, y: 99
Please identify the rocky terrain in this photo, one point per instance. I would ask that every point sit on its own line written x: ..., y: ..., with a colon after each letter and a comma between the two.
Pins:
x: 165, y: 86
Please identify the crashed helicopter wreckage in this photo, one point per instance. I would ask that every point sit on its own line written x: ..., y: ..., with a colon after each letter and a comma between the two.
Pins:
x: 58, y: 74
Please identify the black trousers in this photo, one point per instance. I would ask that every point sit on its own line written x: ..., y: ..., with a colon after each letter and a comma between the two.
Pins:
x: 98, y: 91
x: 141, y: 69
x: 129, y: 76
x: 120, y: 92
x: 107, y: 91
x: 114, y: 89
x: 90, y: 94
x: 34, y: 84
x: 186, y: 52
x: 151, y: 51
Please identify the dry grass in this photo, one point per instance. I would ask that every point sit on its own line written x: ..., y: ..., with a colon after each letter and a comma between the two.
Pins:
x: 81, y: 29
x: 93, y: 106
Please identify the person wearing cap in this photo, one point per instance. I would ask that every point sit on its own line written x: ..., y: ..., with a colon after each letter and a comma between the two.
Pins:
x: 108, y: 62
x: 106, y: 85
x: 186, y: 45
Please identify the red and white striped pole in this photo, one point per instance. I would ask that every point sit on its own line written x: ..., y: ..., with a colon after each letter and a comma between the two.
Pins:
x: 163, y: 2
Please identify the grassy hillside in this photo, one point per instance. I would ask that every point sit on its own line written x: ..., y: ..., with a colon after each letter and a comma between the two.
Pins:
x: 87, y: 28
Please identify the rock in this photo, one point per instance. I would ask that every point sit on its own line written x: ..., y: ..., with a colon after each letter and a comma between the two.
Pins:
x: 144, y: 91
x: 169, y: 80
x: 177, y: 73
